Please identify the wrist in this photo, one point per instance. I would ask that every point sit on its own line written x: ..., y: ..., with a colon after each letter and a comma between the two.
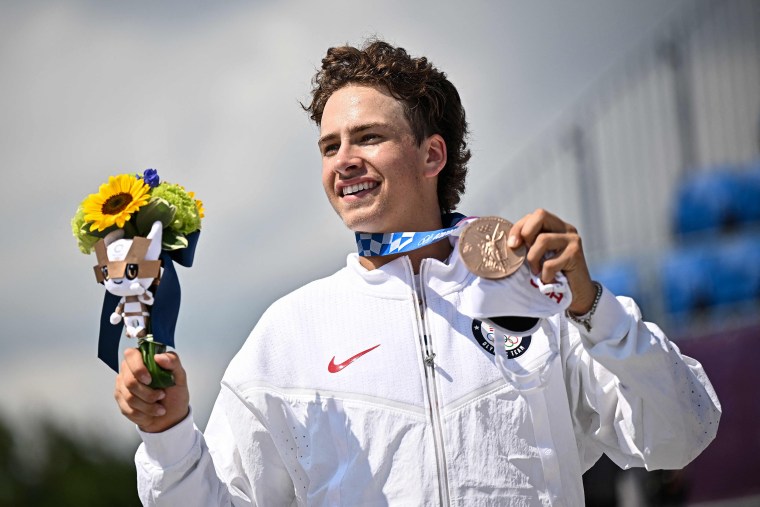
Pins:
x: 583, y: 296
x: 584, y: 317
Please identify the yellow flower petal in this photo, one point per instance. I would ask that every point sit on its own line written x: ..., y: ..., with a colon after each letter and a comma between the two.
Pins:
x: 115, y: 202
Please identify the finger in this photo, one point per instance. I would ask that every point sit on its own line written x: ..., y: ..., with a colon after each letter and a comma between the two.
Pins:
x: 135, y: 405
x: 133, y: 415
x: 553, y: 266
x: 138, y: 417
x: 130, y: 382
x: 515, y: 238
x: 566, y: 255
x: 145, y: 393
x: 551, y: 244
x: 532, y: 227
x: 527, y: 229
x: 126, y: 382
x: 134, y: 363
x: 135, y: 409
x: 170, y: 361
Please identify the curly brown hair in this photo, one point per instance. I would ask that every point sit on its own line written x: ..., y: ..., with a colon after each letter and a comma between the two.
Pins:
x: 431, y: 103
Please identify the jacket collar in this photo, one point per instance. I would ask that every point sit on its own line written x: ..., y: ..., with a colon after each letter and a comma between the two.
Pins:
x: 394, y: 279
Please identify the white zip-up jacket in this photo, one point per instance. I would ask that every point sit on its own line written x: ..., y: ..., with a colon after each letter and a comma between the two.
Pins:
x: 422, y: 415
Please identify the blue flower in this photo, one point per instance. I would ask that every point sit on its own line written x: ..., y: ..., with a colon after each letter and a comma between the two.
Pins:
x: 151, y: 178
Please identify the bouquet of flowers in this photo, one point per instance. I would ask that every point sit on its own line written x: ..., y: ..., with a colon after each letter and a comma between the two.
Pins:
x: 138, y: 227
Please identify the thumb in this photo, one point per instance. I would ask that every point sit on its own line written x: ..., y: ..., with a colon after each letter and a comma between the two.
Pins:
x: 170, y: 361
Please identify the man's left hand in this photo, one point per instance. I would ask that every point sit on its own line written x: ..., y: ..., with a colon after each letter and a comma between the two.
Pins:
x: 545, y: 233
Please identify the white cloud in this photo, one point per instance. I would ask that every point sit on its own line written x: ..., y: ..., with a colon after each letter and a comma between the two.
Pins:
x: 209, y: 97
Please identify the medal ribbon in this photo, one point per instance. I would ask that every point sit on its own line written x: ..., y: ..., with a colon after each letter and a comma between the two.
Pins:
x: 388, y: 243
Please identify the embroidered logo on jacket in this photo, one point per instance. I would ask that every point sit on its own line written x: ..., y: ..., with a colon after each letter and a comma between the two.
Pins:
x: 335, y: 368
x: 484, y: 334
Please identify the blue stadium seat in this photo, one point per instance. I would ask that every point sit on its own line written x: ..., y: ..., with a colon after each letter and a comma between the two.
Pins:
x: 747, y: 202
x: 707, y: 201
x: 621, y: 277
x: 737, y: 273
x: 688, y: 279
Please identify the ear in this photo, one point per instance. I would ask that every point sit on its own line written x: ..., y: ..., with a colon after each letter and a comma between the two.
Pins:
x: 113, y: 236
x: 435, y: 155
x: 155, y: 236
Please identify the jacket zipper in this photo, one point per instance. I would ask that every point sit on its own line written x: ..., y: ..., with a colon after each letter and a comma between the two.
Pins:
x: 426, y: 346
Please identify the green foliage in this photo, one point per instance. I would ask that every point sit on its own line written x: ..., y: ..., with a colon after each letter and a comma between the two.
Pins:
x: 157, y: 209
x: 177, y: 209
x: 81, y: 231
x: 72, y: 471
x: 186, y: 218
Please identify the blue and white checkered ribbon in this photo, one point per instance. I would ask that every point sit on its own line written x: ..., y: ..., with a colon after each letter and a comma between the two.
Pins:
x: 389, y: 243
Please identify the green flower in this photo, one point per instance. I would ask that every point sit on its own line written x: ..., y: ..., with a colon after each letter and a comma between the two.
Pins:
x: 186, y: 218
x: 81, y: 231
x: 178, y: 211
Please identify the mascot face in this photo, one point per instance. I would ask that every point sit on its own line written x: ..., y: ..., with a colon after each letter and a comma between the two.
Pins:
x: 124, y: 277
x: 127, y: 267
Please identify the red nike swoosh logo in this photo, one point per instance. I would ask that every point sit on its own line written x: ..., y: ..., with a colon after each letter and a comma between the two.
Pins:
x: 335, y: 368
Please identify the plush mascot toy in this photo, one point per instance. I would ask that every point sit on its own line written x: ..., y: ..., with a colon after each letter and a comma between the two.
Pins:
x: 138, y: 228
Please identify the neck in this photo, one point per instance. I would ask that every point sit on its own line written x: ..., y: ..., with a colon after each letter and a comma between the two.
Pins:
x: 439, y: 250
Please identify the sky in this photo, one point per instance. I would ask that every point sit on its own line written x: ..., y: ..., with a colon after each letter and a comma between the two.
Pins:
x: 208, y: 93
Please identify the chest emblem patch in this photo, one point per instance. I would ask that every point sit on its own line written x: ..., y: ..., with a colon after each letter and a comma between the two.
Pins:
x: 485, y: 333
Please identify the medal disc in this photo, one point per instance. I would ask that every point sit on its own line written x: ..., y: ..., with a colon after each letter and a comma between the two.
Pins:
x: 483, y: 248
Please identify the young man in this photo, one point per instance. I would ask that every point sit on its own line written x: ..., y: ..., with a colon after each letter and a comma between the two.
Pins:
x: 400, y: 383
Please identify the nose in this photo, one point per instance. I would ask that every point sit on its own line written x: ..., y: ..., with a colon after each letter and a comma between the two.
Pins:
x: 347, y: 160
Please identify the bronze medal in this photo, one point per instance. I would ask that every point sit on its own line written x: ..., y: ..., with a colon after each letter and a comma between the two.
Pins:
x: 483, y: 248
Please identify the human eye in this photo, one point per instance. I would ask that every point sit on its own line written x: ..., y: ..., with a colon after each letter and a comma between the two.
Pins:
x: 330, y: 149
x: 370, y: 137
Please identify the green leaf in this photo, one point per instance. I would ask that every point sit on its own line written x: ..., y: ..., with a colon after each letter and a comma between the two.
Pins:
x: 160, y: 378
x: 157, y: 209
x: 173, y: 240
x: 96, y: 233
x: 130, y: 231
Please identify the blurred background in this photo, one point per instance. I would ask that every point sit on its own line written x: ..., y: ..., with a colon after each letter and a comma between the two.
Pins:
x: 637, y: 121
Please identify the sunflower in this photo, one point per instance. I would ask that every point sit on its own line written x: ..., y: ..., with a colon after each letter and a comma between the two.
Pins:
x: 115, y: 202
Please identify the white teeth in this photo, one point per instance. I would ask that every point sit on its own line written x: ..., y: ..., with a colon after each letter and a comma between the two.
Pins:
x: 359, y: 187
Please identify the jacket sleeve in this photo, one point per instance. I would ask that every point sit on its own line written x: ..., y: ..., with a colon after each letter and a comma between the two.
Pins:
x: 234, y: 463
x: 633, y: 396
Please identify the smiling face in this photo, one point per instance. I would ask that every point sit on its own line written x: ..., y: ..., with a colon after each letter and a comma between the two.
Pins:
x: 375, y: 175
x: 128, y: 283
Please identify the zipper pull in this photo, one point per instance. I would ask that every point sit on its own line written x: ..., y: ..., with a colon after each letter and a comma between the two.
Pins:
x: 430, y: 360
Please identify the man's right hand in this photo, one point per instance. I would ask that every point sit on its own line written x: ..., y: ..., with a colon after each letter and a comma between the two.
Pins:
x: 152, y: 410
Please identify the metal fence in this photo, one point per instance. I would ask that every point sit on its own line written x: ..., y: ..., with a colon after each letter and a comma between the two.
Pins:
x: 686, y: 101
